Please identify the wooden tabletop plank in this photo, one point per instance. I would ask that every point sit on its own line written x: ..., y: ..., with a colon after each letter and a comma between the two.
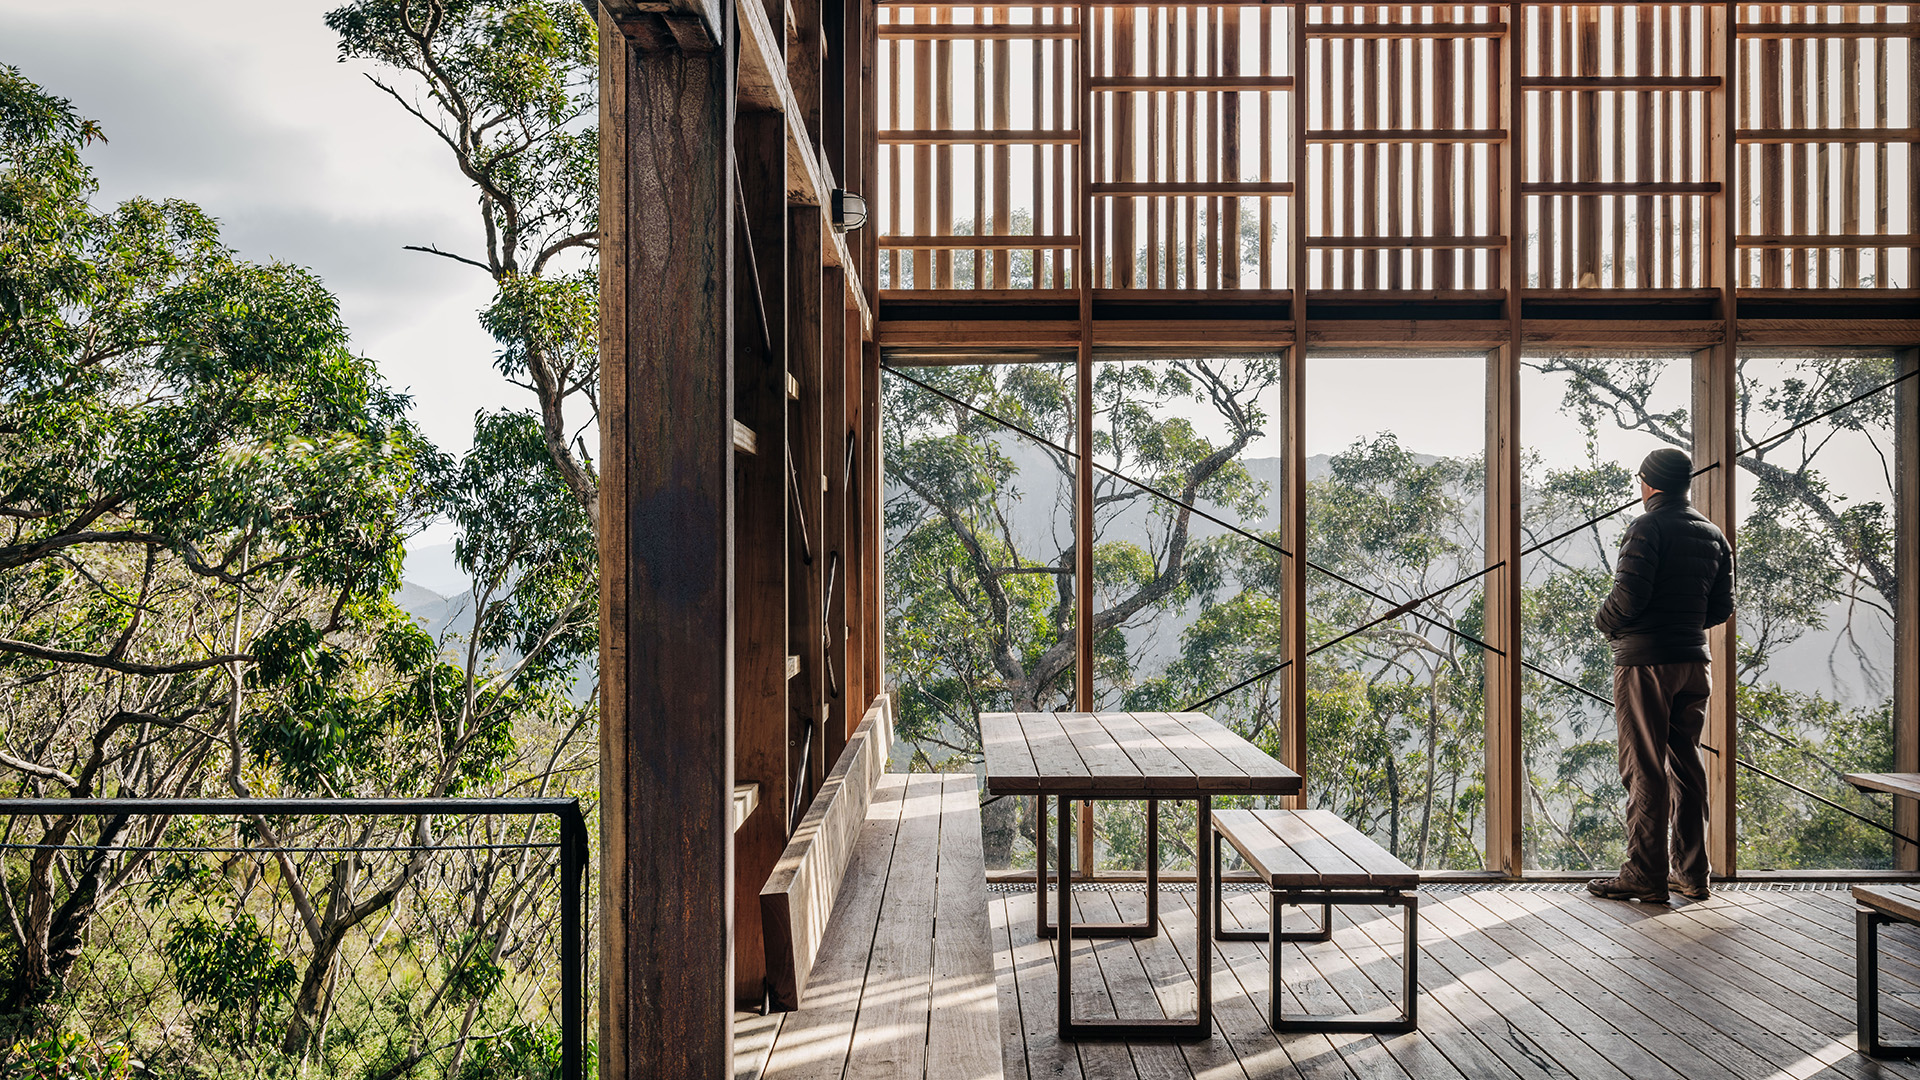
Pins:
x: 1003, y: 740
x: 1168, y: 756
x: 1210, y: 768
x: 1900, y: 900
x: 1054, y: 757
x: 1162, y: 768
x: 1263, y: 772
x: 1898, y: 783
x: 1101, y: 755
x: 1331, y: 867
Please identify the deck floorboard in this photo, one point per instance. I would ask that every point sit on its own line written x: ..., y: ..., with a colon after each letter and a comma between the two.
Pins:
x: 1516, y: 982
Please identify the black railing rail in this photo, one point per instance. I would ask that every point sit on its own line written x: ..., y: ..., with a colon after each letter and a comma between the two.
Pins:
x: 572, y: 849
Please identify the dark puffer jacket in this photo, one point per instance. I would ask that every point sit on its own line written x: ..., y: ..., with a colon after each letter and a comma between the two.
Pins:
x: 1673, y: 581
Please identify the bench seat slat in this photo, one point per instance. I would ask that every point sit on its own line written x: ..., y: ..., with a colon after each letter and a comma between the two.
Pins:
x: 1269, y: 855
x: 904, y: 987
x: 1312, y: 848
x: 1388, y: 872
x: 1331, y: 867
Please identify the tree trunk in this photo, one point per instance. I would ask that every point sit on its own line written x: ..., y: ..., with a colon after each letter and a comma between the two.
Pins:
x: 55, y: 934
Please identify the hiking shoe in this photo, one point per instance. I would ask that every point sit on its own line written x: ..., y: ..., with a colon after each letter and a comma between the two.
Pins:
x: 1691, y: 892
x: 1614, y: 889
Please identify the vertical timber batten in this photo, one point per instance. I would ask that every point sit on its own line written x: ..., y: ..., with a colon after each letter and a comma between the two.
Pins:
x: 1505, y: 776
x: 666, y: 266
x: 1294, y: 478
x: 807, y: 560
x: 1086, y: 276
x: 760, y: 524
x: 1906, y: 623
x: 1714, y: 431
x: 840, y: 719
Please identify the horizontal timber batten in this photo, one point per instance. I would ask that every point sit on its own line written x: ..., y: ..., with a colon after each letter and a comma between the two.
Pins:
x: 1826, y: 135
x: 1827, y: 30
x: 1222, y: 188
x: 1853, y: 240
x: 1619, y: 82
x: 1357, y: 242
x: 982, y: 137
x: 1275, y: 333
x: 1405, y: 30
x: 1181, y: 83
x: 977, y: 31
x: 968, y: 243
x: 1618, y: 187
x: 1406, y: 135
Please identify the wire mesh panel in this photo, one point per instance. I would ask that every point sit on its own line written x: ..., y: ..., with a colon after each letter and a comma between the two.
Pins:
x: 202, y: 947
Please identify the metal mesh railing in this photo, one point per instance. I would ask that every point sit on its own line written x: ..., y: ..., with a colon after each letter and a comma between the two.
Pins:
x: 373, y: 939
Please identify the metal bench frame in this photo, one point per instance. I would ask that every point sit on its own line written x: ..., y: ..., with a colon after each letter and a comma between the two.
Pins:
x: 1867, y: 922
x: 1327, y: 899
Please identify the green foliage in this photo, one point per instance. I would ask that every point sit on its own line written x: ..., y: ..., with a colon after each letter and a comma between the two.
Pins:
x: 66, y: 1056
x: 469, y: 969
x: 232, y: 969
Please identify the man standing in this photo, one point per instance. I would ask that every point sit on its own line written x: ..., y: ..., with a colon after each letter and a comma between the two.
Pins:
x: 1673, y: 581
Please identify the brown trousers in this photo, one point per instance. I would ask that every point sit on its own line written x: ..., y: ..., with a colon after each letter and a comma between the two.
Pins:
x: 1661, y: 710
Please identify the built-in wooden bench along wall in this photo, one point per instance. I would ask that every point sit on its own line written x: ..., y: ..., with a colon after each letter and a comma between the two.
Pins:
x: 883, y: 929
x: 799, y: 895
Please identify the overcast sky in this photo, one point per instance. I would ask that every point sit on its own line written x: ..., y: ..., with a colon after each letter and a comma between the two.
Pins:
x: 242, y: 108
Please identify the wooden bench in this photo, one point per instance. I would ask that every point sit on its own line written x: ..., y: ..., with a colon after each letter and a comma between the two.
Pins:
x: 1310, y: 857
x: 879, y: 949
x: 799, y: 895
x: 1877, y: 905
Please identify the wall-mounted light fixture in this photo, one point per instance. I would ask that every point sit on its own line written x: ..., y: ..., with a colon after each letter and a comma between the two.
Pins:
x: 849, y: 211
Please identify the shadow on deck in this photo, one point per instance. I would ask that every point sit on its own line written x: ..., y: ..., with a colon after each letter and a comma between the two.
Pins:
x: 1517, y: 981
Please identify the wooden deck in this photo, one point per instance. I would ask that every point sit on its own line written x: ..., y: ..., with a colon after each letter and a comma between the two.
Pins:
x: 1517, y: 982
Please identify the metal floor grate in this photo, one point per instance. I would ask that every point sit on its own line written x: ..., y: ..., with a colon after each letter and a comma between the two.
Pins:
x: 1433, y: 887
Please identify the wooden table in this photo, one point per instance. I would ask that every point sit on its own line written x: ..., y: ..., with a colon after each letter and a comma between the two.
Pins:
x: 1117, y: 755
x: 1904, y: 784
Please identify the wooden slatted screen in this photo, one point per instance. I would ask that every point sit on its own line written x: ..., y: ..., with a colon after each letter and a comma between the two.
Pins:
x: 1187, y: 112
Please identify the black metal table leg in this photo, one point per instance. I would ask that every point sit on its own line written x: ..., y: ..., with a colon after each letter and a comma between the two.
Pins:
x: 1201, y: 1026
x: 1408, y: 1020
x: 1867, y: 990
x: 1044, y: 928
x: 1220, y: 931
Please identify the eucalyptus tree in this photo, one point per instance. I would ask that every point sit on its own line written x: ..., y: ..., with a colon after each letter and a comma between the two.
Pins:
x: 982, y: 595
x: 192, y: 466
x: 509, y: 88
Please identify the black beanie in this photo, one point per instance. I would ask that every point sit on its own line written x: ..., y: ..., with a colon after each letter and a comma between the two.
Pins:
x: 1667, y: 470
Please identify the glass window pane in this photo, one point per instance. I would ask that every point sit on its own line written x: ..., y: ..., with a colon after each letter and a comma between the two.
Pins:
x: 1396, y: 492
x: 1184, y: 606
x: 979, y: 565
x: 1586, y: 422
x: 1815, y: 596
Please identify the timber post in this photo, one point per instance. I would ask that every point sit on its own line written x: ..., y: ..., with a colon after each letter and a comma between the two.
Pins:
x: 666, y: 542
